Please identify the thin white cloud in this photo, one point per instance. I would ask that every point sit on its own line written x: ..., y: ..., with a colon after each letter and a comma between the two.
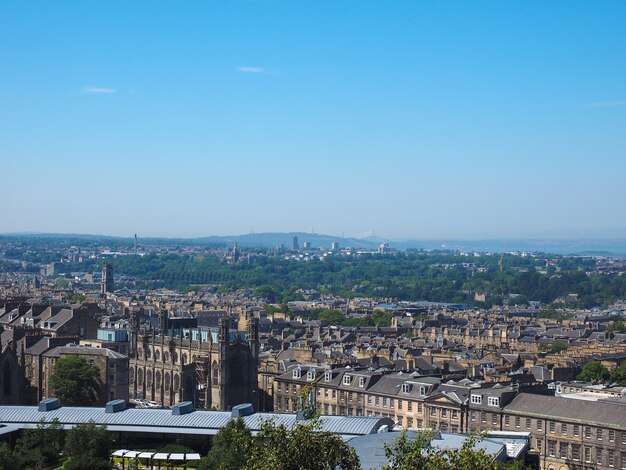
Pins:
x: 250, y: 69
x: 94, y: 90
x: 608, y: 104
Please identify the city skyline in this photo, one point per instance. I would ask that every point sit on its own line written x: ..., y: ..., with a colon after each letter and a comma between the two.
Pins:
x: 421, y: 120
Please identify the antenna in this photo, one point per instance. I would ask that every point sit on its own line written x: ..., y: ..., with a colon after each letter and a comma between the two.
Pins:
x: 135, y: 249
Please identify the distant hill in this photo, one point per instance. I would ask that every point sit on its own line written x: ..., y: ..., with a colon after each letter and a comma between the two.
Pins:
x: 565, y: 246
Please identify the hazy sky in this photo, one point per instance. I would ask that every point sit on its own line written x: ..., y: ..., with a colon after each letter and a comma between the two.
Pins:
x: 419, y: 119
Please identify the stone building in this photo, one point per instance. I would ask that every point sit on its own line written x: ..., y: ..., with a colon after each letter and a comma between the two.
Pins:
x: 211, y: 367
x: 113, y: 367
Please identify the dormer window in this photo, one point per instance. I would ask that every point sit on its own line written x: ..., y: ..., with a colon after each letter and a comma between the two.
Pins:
x: 347, y: 379
x: 310, y: 375
x: 406, y: 388
x: 297, y: 373
x: 328, y: 376
x: 422, y: 390
x: 477, y: 399
x: 493, y: 401
x: 361, y: 381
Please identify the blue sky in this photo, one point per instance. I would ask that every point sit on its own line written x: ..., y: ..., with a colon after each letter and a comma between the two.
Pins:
x: 418, y: 119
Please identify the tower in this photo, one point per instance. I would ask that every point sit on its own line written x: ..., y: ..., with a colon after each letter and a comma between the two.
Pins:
x: 106, y: 285
x: 224, y: 346
x: 294, y: 244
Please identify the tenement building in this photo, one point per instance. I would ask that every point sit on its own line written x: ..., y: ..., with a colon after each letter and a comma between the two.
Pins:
x: 211, y: 367
x: 571, y: 434
x: 566, y: 434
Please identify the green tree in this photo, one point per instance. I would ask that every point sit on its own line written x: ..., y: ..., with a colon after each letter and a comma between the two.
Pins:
x: 7, y: 459
x: 619, y: 374
x: 75, y: 381
x: 419, y: 453
x: 40, y: 447
x: 87, y: 447
x: 230, y: 447
x: 304, y: 446
x: 617, y: 327
x: 594, y: 372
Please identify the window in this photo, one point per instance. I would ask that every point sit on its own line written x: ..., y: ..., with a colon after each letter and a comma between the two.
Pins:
x: 576, y: 430
x: 477, y: 399
x: 493, y: 401
x: 328, y: 376
x: 347, y: 379
x: 598, y: 456
x: 539, y: 425
x: 361, y: 381
x: 326, y: 393
x: 391, y: 403
x: 552, y: 448
x: 563, y: 450
x: 494, y: 419
x: 409, y: 406
x: 444, y: 413
x: 399, y: 404
x: 623, y: 460
x: 611, y: 435
x: 279, y: 402
x: 473, y: 415
x: 564, y: 429
x: 611, y: 457
x: 587, y: 432
x: 528, y: 423
x: 342, y: 395
x: 369, y: 399
x: 384, y: 402
x: 310, y: 375
x: 350, y: 395
x: 334, y: 394
x: 433, y: 412
x: 406, y: 388
x: 455, y: 414
x: 507, y: 420
x: 419, y: 407
x: 334, y: 409
x: 483, y: 417
x: 297, y: 373
x: 422, y: 391
x: 517, y: 422
x: 599, y: 434
x: 552, y: 427
x: 294, y: 389
x: 588, y: 454
x: 624, y: 438
x: 539, y: 444
x: 575, y: 451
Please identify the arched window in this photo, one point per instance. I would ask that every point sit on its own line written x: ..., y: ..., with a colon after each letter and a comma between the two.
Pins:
x: 174, y: 357
x: 157, y: 379
x: 132, y: 375
x: 148, y: 353
x: 167, y: 380
x: 149, y: 378
x: 215, y: 374
x: 157, y: 355
x: 140, y: 376
x: 183, y: 359
x: 176, y: 382
x: 166, y: 356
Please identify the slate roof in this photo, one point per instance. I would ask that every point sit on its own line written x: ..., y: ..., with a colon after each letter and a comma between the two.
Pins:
x: 555, y: 408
